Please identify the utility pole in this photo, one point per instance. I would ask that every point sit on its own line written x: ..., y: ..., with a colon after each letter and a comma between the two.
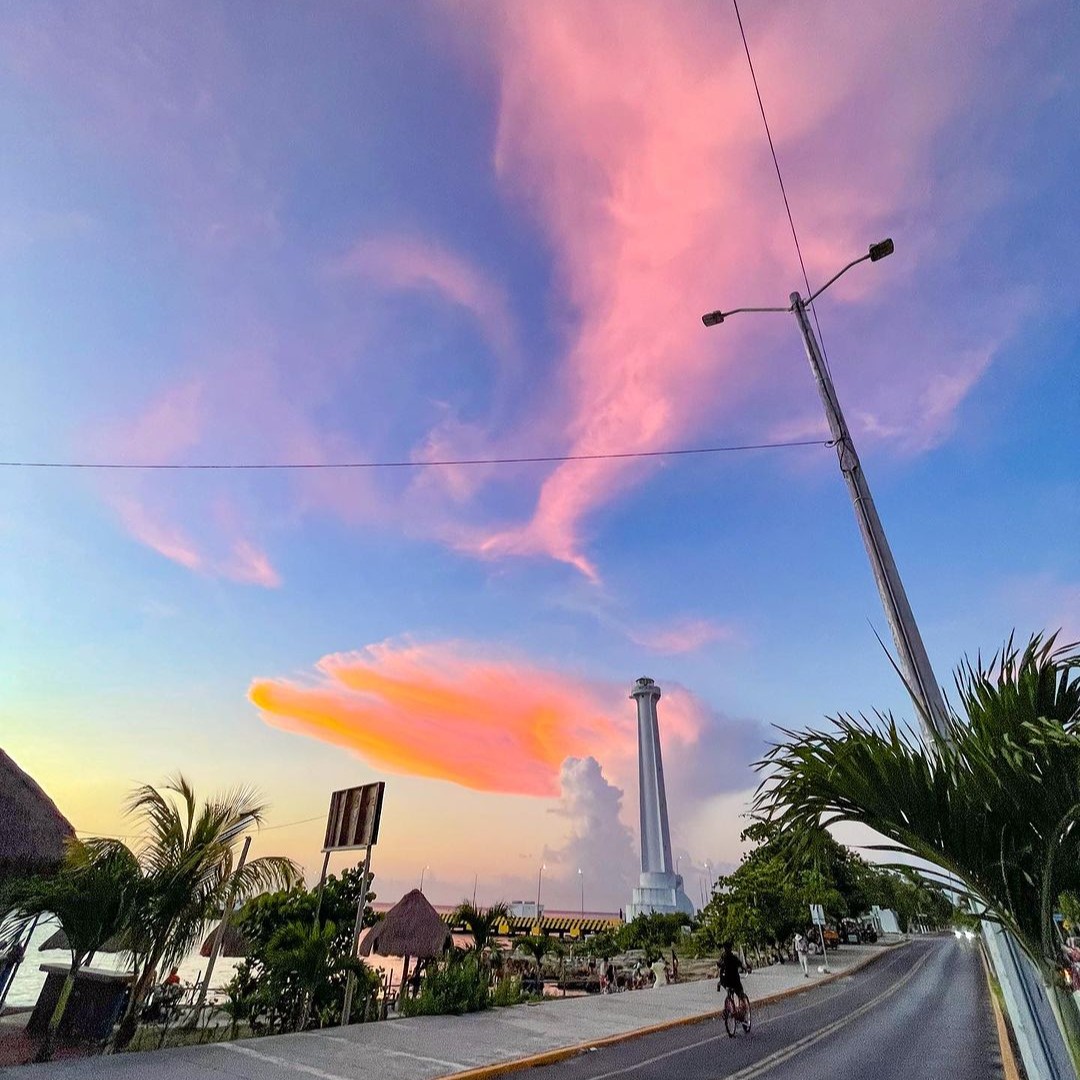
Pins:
x: 914, y: 662
x: 909, y: 644
x: 1034, y: 1029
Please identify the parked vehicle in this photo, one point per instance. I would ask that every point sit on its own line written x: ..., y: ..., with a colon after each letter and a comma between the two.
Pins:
x: 850, y: 932
x: 832, y: 938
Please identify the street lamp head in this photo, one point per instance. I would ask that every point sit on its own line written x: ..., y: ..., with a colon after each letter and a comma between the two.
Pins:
x: 714, y: 318
x: 881, y: 249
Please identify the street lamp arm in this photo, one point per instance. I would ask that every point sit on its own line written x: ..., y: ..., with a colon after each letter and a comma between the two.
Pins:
x: 876, y: 252
x: 713, y: 318
x: 835, y: 277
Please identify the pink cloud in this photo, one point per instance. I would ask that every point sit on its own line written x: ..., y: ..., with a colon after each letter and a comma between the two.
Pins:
x: 631, y: 132
x: 682, y: 635
x: 400, y: 262
x: 165, y: 539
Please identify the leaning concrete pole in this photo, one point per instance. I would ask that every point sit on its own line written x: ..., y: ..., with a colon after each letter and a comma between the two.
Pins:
x: 909, y: 644
x: 1043, y: 1055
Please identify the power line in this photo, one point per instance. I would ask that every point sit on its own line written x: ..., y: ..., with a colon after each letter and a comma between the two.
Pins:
x: 780, y: 179
x: 138, y: 836
x: 540, y: 459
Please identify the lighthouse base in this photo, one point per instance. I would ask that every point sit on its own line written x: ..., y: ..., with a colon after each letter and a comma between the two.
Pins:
x: 659, y: 892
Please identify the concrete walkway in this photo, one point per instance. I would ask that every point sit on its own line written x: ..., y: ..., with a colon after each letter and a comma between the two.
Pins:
x: 421, y: 1048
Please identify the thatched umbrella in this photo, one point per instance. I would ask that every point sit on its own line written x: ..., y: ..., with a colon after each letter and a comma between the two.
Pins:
x: 34, y: 832
x: 59, y: 940
x: 233, y: 942
x: 411, y: 928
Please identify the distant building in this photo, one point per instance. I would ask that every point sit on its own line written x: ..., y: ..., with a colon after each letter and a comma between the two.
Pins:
x: 525, y: 909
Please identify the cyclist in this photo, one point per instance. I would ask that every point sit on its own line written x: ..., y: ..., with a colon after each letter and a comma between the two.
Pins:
x: 730, y: 967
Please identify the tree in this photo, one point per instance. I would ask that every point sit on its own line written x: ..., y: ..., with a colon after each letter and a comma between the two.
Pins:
x: 187, y: 861
x: 653, y: 933
x: 481, y: 924
x: 91, y: 897
x: 975, y: 801
x: 538, y: 948
x: 262, y: 983
x: 304, y: 953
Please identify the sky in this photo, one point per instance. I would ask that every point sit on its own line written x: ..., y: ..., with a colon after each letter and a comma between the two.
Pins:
x: 271, y: 233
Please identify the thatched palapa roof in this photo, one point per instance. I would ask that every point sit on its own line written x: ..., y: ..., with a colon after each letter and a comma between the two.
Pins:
x: 34, y: 832
x: 412, y: 927
x: 59, y: 940
x: 234, y: 943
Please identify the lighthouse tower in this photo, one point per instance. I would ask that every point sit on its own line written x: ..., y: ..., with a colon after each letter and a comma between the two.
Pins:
x: 660, y: 888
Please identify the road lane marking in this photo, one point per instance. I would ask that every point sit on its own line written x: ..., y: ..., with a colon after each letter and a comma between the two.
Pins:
x: 779, y: 1057
x: 282, y: 1063
x: 841, y: 989
x: 383, y: 1050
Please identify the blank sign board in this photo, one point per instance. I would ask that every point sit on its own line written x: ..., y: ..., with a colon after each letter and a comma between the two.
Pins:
x: 353, y: 821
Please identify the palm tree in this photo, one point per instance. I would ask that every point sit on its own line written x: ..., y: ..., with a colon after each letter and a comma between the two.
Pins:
x: 91, y: 897
x: 482, y: 924
x: 187, y: 859
x: 307, y: 952
x: 538, y: 948
x: 972, y: 801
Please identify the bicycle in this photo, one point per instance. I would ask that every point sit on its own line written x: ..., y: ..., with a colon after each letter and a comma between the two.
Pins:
x: 736, y: 1011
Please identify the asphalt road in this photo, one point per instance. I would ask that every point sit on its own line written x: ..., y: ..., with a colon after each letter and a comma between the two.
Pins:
x: 921, y: 1012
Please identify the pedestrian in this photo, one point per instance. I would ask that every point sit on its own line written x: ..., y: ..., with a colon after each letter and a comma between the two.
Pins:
x: 660, y: 970
x: 800, y: 952
x: 674, y: 967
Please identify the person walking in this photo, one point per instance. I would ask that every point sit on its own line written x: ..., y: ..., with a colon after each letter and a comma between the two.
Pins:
x: 800, y: 952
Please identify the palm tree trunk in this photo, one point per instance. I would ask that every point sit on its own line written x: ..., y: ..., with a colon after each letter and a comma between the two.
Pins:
x: 48, y: 1042
x: 129, y: 1024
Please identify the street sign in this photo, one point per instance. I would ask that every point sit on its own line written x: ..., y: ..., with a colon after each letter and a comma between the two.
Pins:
x: 817, y: 915
x: 353, y: 820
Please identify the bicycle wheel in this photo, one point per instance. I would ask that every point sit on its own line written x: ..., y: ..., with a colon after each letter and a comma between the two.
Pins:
x: 746, y: 1015
x: 730, y: 1022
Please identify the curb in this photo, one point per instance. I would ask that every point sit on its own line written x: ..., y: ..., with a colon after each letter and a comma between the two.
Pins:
x: 1008, y: 1058
x: 550, y: 1057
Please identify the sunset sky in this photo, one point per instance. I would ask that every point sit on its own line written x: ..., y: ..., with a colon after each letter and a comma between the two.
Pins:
x: 268, y: 232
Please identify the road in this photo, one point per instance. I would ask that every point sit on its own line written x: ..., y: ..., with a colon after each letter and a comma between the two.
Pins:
x: 922, y: 1012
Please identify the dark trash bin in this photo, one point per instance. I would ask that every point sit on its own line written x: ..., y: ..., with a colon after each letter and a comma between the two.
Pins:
x: 97, y: 1000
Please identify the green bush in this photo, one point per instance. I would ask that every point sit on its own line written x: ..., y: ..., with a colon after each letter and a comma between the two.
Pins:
x: 509, y: 992
x: 453, y: 987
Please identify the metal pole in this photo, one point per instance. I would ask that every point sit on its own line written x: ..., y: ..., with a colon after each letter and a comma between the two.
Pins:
x: 219, y: 936
x: 322, y: 885
x: 539, y: 878
x: 21, y: 947
x: 925, y: 690
x: 914, y: 662
x: 581, y: 880
x: 350, y: 982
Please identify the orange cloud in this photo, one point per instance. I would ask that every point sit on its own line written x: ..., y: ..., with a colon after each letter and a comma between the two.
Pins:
x: 437, y: 710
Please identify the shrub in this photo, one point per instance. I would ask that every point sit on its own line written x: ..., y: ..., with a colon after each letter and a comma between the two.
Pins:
x: 453, y: 987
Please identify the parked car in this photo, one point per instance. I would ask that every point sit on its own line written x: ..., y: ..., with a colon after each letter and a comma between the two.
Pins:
x: 832, y: 938
x: 868, y: 932
x: 850, y: 932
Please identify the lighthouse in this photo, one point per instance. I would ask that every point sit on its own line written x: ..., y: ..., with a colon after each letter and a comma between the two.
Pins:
x: 660, y: 888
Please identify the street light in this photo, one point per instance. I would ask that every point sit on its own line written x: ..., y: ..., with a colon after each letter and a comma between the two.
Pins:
x: 539, y: 878
x: 918, y: 673
x: 581, y: 882
x: 422, y: 873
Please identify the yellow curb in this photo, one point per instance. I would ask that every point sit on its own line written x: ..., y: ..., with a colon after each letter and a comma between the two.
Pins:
x: 1008, y: 1058
x: 549, y: 1057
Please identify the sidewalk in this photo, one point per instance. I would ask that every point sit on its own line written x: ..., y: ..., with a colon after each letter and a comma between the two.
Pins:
x: 422, y: 1048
